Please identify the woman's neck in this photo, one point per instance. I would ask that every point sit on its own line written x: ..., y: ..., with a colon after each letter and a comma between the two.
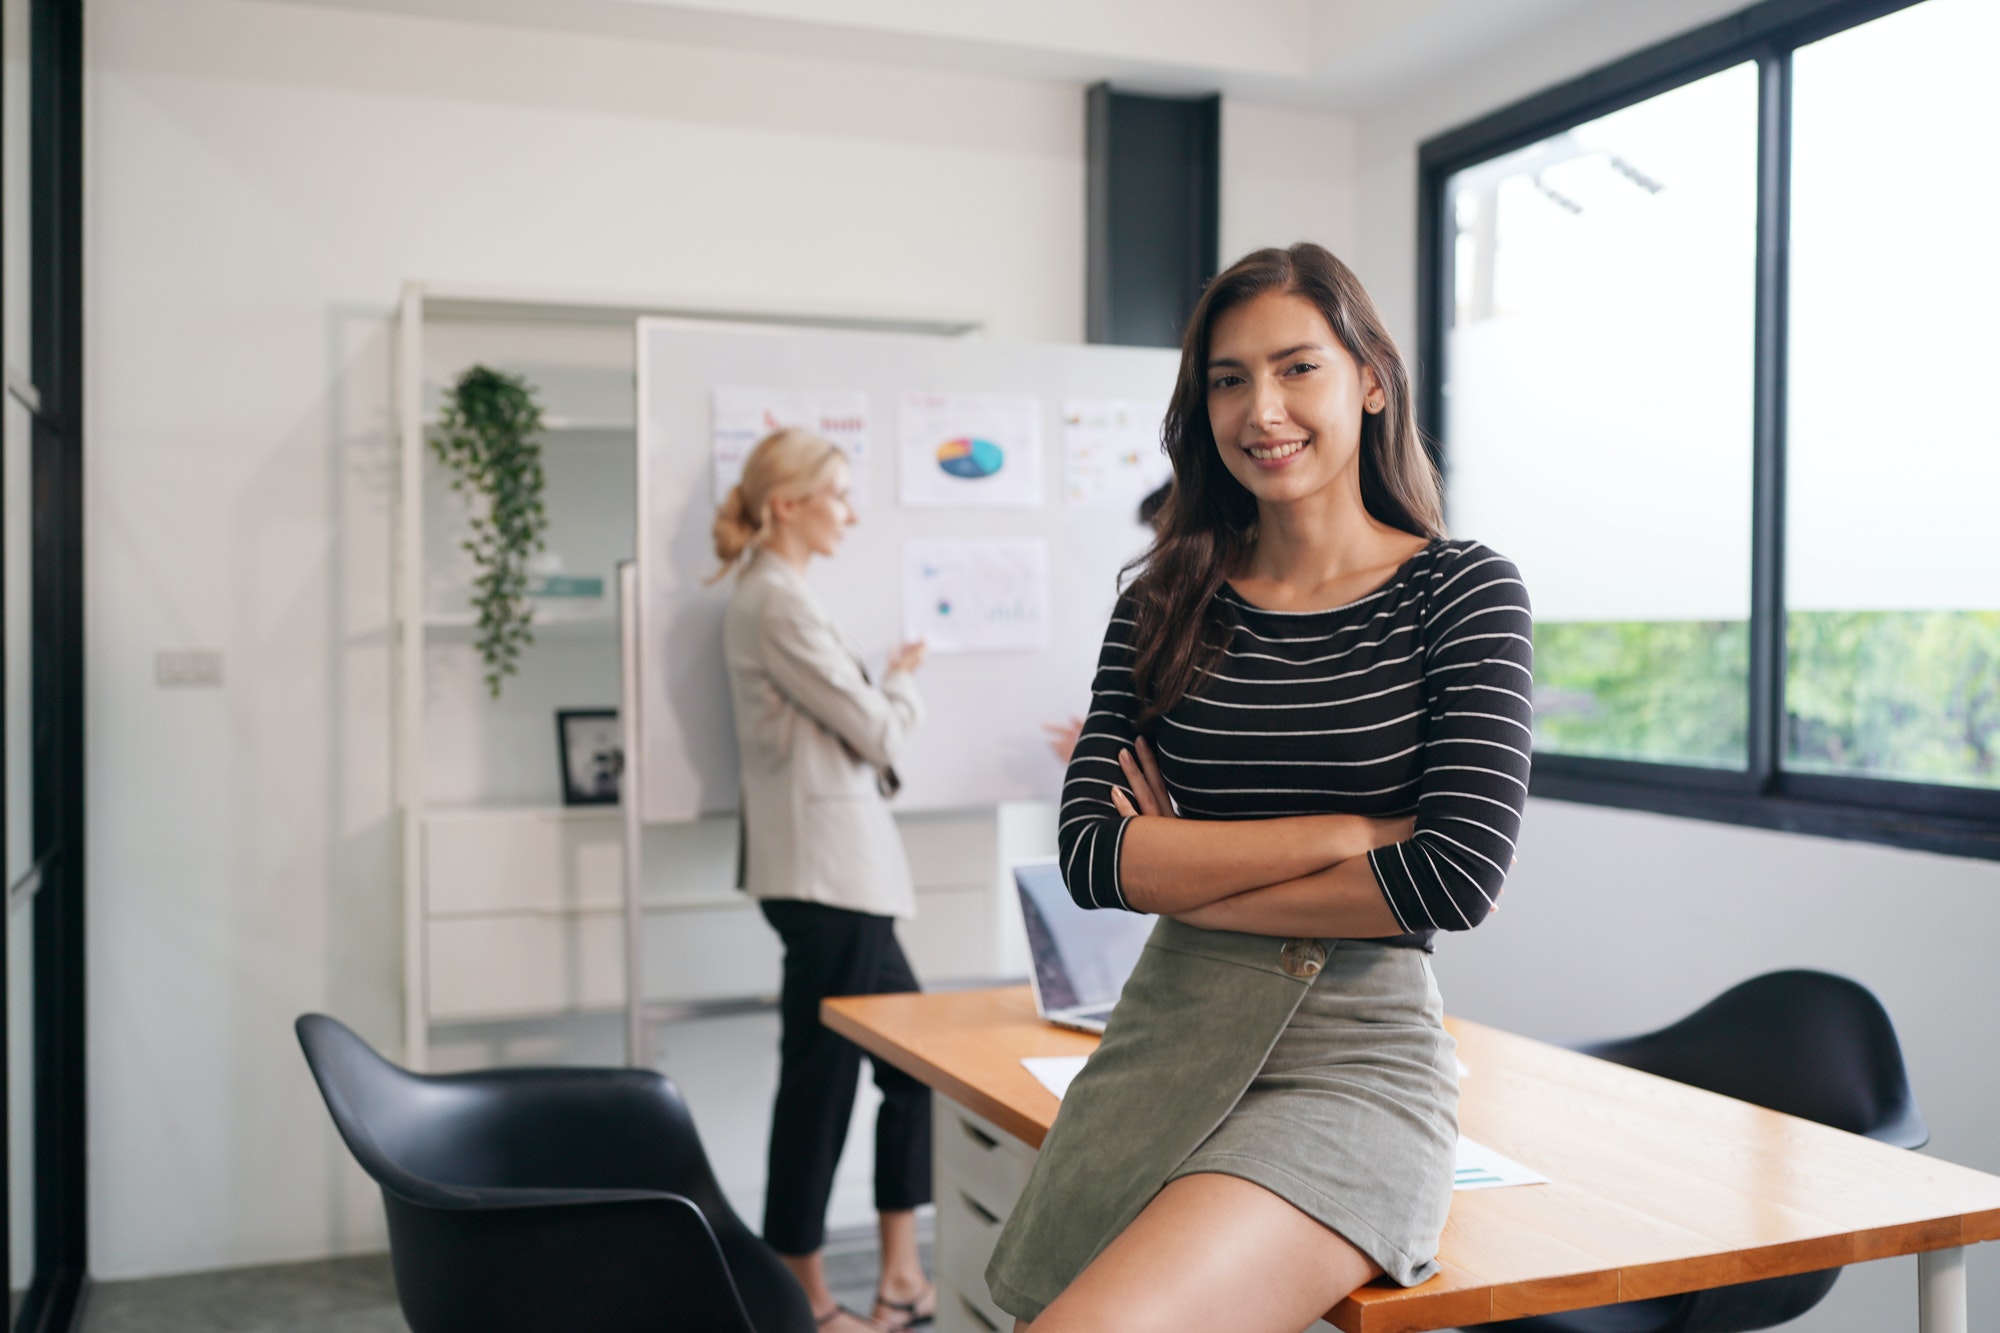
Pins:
x: 1321, y: 551
x: 785, y: 545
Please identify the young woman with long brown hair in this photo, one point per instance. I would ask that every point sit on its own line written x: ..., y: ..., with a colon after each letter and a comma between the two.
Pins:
x: 1308, y: 752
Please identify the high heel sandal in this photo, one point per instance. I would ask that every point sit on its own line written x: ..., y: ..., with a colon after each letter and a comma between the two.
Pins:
x: 912, y: 1318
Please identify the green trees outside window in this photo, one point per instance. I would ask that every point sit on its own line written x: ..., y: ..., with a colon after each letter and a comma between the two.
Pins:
x: 1907, y: 695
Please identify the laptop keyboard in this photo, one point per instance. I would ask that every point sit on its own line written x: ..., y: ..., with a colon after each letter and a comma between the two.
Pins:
x: 1094, y: 1015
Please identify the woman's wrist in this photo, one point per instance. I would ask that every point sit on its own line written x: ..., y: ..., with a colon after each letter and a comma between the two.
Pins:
x: 1346, y: 836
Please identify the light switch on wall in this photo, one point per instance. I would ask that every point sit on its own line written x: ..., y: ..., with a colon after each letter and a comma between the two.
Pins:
x: 187, y: 666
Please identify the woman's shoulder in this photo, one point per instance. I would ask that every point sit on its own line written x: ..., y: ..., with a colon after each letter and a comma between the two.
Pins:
x: 1122, y: 625
x: 1457, y: 555
x: 1462, y: 569
x: 769, y: 581
x: 768, y: 596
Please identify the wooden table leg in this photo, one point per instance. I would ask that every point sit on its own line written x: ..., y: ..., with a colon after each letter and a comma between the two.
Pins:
x: 1941, y: 1304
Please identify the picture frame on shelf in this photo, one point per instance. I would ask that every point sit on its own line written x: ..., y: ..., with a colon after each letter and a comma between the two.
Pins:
x: 591, y: 748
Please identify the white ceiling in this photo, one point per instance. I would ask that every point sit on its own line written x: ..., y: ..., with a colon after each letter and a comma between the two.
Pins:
x: 1338, y: 54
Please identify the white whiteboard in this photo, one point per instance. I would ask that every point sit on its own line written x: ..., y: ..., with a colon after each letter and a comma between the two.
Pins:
x: 982, y: 740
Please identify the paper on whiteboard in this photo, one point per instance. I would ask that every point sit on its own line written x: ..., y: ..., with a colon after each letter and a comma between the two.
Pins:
x: 1478, y: 1167
x: 741, y: 417
x: 1111, y: 453
x: 970, y: 449
x: 987, y: 596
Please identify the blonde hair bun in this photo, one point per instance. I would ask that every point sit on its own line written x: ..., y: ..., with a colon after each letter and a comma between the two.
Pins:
x: 733, y: 530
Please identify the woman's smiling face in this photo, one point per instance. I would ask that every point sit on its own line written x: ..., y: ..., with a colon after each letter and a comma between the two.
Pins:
x: 1285, y: 399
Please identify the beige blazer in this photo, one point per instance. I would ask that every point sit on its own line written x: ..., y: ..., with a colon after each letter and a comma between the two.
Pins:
x: 815, y: 739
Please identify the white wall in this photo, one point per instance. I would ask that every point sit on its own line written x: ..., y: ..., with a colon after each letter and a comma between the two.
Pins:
x: 262, y: 178
x: 1617, y: 922
x: 1287, y: 175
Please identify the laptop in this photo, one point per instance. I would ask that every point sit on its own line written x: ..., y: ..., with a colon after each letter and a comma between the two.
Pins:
x: 1081, y: 958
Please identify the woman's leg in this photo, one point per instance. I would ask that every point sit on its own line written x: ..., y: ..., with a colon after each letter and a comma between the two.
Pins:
x: 810, y: 1270
x: 904, y: 1293
x: 902, y: 1163
x: 818, y: 1073
x: 1211, y: 1252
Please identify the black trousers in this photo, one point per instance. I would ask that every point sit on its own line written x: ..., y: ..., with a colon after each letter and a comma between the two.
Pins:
x: 831, y: 951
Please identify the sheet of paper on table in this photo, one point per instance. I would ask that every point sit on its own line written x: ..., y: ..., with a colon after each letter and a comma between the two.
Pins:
x: 1478, y: 1166
x: 1054, y: 1072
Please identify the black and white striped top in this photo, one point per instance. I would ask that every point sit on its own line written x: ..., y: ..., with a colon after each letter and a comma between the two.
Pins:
x: 1413, y: 699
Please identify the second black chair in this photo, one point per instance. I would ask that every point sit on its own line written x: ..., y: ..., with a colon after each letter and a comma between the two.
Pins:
x: 1807, y: 1043
x: 524, y: 1200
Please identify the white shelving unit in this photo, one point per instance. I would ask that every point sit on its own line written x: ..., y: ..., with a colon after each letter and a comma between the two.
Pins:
x: 512, y: 901
x: 513, y: 904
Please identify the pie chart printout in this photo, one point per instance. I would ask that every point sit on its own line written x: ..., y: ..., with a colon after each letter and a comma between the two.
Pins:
x: 969, y: 450
x: 971, y: 459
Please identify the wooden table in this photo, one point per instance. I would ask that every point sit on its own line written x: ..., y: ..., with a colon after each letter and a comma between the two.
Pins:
x: 1656, y: 1187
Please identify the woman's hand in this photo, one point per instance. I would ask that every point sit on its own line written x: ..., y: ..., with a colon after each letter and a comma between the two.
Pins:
x: 907, y: 657
x: 1063, y: 737
x: 1149, y: 789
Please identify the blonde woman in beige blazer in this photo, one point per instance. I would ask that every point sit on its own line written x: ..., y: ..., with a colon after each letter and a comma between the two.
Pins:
x: 818, y: 743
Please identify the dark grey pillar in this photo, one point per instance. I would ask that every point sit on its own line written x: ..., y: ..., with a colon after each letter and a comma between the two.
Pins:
x: 1154, y: 200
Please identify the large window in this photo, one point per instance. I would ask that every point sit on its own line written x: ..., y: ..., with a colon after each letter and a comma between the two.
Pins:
x: 1892, y: 449
x: 1598, y: 405
x: 1712, y: 334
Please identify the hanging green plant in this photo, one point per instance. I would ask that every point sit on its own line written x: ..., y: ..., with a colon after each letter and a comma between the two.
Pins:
x: 489, y: 439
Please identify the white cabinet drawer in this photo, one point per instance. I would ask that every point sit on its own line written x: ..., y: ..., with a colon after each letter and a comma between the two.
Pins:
x: 981, y: 1171
x: 950, y: 847
x: 966, y: 1234
x: 953, y: 935
x: 522, y: 860
x: 503, y: 967
x: 976, y: 1156
x: 717, y: 950
x: 958, y: 1312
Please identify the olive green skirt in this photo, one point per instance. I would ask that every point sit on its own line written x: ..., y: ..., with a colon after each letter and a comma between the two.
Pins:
x: 1337, y: 1092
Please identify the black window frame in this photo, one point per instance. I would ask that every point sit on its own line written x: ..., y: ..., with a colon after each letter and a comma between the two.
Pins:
x: 1933, y: 817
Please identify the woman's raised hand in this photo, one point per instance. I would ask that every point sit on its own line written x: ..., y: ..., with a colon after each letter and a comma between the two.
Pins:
x: 1149, y: 789
x: 907, y: 657
x: 1063, y: 737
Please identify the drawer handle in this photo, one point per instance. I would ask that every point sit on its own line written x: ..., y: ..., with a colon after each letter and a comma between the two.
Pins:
x: 978, y: 1314
x: 979, y: 1136
x: 990, y: 1218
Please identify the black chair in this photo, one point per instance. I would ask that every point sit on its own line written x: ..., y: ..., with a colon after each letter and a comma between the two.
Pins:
x: 538, y: 1199
x: 1809, y: 1044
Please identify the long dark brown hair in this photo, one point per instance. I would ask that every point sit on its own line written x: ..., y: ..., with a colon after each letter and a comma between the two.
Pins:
x: 1209, y: 523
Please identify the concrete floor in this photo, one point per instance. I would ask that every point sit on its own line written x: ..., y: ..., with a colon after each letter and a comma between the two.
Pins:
x: 355, y: 1295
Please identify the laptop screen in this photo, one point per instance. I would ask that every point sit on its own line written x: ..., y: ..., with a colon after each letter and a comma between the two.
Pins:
x: 1081, y: 957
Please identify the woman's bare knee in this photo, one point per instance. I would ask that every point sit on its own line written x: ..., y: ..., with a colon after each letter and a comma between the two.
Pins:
x: 1211, y: 1252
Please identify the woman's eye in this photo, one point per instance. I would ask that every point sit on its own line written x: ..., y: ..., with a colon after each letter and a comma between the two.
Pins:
x: 1300, y: 367
x: 1225, y: 381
